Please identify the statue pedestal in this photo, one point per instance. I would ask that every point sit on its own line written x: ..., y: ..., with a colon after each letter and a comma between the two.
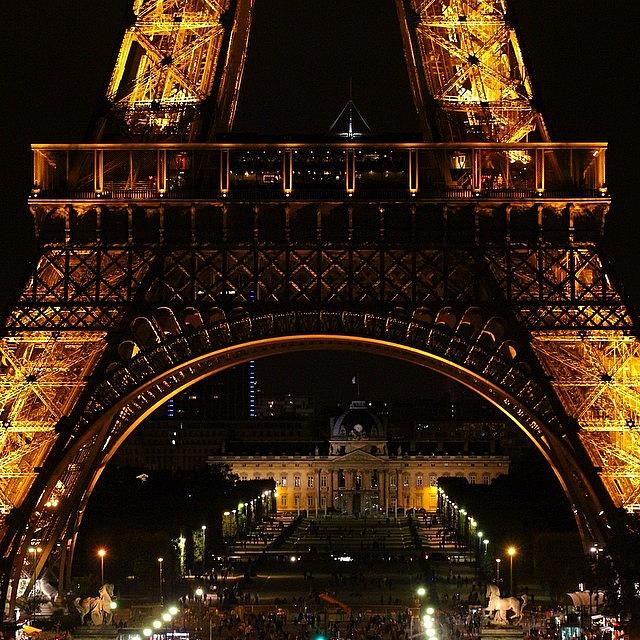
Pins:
x: 103, y: 632
x: 501, y: 633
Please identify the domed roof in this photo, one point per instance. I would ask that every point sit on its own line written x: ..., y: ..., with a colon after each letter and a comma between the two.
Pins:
x: 358, y: 423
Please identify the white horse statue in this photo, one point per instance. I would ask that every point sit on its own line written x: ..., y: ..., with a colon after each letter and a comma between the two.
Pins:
x: 44, y: 586
x: 500, y: 606
x: 99, y: 608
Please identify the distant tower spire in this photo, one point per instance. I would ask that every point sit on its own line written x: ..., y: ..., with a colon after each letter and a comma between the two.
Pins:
x: 350, y: 123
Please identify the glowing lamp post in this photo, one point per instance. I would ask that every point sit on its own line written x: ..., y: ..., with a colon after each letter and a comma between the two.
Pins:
x: 160, y: 561
x: 511, y: 551
x: 204, y: 545
x: 101, y: 554
x: 35, y: 551
x: 498, y: 571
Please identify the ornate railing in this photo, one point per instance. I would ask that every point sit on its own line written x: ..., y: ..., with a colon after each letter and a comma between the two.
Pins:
x: 319, y: 171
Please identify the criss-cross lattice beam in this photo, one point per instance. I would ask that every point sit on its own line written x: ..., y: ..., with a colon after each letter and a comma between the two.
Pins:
x: 464, y: 56
x: 597, y: 378
x: 169, y: 64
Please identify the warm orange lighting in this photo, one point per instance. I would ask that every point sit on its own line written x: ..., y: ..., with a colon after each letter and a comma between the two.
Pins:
x: 102, y: 553
x: 511, y: 551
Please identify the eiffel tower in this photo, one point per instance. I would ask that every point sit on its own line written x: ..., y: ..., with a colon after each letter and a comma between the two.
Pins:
x: 169, y: 251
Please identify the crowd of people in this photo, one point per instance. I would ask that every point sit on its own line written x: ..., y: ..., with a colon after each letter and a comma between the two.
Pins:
x: 280, y: 625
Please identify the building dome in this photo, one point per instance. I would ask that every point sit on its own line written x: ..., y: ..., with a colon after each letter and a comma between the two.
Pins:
x: 358, y: 423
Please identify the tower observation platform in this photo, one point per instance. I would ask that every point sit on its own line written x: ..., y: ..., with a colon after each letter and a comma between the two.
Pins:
x: 328, y: 170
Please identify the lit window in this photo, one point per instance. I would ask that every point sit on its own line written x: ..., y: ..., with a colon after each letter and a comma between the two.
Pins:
x: 283, y: 481
x: 296, y: 481
x: 419, y: 480
x: 405, y: 481
x: 310, y: 482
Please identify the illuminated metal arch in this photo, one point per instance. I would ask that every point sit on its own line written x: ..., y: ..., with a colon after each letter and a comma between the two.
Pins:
x: 176, y: 354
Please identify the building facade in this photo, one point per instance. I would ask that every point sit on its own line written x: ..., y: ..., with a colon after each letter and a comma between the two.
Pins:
x: 358, y: 474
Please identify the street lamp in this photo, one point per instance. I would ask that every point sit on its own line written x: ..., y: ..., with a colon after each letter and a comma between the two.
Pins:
x: 160, y: 561
x: 35, y: 551
x: 511, y: 551
x: 101, y: 554
x: 204, y: 544
x: 498, y: 571
x: 421, y: 592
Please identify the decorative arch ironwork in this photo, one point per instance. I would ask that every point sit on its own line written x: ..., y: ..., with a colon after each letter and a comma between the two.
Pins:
x: 168, y: 353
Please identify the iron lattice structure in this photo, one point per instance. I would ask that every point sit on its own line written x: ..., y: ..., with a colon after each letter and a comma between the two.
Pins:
x: 180, y: 61
x: 163, y: 263
x: 468, y: 75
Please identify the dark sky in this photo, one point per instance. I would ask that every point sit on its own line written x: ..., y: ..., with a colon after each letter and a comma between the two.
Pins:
x: 581, y: 56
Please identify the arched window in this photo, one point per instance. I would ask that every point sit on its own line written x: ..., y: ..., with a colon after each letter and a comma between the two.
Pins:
x: 419, y: 480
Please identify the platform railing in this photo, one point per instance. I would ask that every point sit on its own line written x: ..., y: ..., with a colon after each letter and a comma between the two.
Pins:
x: 319, y: 170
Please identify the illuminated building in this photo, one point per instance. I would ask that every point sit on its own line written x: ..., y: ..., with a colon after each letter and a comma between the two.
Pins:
x: 360, y: 471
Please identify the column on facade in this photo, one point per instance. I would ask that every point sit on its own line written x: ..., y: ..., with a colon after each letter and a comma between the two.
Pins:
x: 318, y: 474
x: 334, y: 486
x: 397, y: 493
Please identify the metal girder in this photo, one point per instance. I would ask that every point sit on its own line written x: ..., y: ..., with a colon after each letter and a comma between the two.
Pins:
x: 166, y: 67
x: 41, y: 377
x: 465, y: 57
x: 597, y: 378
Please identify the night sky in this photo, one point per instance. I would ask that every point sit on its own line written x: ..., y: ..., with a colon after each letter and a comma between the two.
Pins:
x: 302, y: 53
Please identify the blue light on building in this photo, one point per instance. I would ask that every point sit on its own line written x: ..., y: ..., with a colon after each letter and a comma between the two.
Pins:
x: 252, y: 373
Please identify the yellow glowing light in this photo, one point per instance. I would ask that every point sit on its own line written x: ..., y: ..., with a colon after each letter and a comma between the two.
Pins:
x: 173, y: 610
x: 511, y: 551
x: 157, y: 624
x: 102, y: 553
